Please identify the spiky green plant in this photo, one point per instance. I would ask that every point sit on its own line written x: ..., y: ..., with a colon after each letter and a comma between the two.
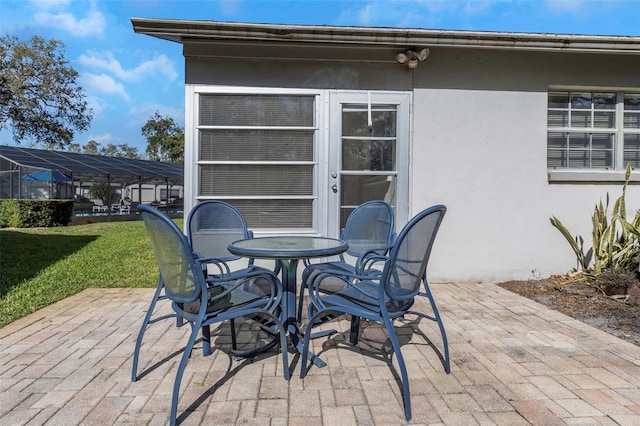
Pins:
x: 615, y: 241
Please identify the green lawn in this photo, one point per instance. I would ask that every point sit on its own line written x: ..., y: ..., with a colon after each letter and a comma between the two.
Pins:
x: 41, y: 266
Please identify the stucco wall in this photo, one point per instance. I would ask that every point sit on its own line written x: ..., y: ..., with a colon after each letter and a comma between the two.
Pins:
x: 479, y: 146
x: 480, y: 141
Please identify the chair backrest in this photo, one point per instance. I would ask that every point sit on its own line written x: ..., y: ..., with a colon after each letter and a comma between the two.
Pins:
x: 181, y: 274
x: 407, y: 264
x: 212, y: 226
x: 368, y: 227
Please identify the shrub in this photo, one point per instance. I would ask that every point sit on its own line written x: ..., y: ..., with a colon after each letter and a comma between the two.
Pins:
x: 615, y: 241
x: 616, y: 281
x: 35, y: 213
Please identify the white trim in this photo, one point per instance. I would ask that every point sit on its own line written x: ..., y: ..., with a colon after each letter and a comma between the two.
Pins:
x: 245, y: 90
x: 190, y: 147
x: 590, y: 176
x: 324, y: 149
x: 265, y: 163
x: 198, y: 89
x: 255, y: 197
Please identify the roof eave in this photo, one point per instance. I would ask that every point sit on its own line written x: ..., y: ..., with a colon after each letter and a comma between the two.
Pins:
x: 181, y: 31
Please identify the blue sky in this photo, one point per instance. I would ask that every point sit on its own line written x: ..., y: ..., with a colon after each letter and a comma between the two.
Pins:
x: 128, y: 76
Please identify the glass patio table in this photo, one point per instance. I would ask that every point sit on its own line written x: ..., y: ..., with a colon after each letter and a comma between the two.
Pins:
x: 289, y: 250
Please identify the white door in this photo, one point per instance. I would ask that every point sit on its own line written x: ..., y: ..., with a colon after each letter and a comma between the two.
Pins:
x: 368, y: 155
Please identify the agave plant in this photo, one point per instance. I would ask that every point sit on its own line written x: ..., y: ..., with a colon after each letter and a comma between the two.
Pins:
x: 615, y: 241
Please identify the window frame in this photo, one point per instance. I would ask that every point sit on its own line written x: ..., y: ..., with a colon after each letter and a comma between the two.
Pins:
x: 589, y: 174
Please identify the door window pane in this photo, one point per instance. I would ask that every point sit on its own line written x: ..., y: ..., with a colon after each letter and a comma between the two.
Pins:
x: 355, y: 120
x: 373, y: 155
x: 357, y: 189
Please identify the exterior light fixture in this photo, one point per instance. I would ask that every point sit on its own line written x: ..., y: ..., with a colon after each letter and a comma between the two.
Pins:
x: 412, y: 57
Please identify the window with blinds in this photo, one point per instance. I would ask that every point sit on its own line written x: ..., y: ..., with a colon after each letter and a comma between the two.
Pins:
x: 256, y: 151
x: 593, y: 130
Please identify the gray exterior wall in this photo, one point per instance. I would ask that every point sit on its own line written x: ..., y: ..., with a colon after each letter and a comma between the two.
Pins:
x: 478, y: 145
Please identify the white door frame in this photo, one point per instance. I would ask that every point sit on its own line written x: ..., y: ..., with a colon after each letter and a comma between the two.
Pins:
x: 330, y: 201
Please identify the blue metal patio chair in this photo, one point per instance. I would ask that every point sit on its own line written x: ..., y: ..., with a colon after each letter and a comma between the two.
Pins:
x: 369, y: 233
x: 208, y: 242
x: 211, y: 226
x: 387, y: 296
x: 201, y: 301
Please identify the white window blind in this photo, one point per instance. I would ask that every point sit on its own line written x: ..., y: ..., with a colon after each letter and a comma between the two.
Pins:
x: 584, y: 130
x: 256, y: 151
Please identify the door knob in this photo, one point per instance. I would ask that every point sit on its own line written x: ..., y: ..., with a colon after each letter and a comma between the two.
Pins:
x: 334, y: 188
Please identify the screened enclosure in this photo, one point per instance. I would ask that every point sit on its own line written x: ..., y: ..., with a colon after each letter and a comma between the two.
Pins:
x: 27, y: 173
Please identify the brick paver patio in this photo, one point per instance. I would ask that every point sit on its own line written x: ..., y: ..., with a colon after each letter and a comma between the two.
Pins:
x: 513, y: 362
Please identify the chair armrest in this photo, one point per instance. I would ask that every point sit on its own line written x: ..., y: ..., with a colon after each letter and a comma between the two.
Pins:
x: 342, y: 275
x: 367, y: 259
x: 219, y: 263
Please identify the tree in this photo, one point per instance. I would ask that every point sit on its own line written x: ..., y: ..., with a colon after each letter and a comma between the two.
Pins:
x: 40, y: 99
x: 103, y: 192
x: 127, y: 151
x: 122, y: 151
x: 165, y: 139
x: 91, y: 147
x: 74, y: 147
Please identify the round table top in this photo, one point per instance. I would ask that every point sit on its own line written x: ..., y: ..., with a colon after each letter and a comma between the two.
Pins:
x: 288, y: 247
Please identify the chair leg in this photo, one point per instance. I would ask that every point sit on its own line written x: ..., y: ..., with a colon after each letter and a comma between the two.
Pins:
x: 305, y: 348
x: 206, y: 340
x: 301, y: 297
x: 305, y: 342
x: 232, y: 326
x: 183, y: 363
x: 143, y: 328
x: 283, y: 346
x: 443, y: 333
x: 406, y: 395
x: 355, y: 330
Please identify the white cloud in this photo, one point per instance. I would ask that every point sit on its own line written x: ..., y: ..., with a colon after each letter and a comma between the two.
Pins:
x: 92, y: 24
x: 103, y: 83
x: 103, y: 139
x: 572, y: 7
x: 364, y: 15
x: 106, y: 61
x: 474, y: 7
x: 140, y: 114
x: 229, y: 7
x: 97, y: 105
x: 50, y: 4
